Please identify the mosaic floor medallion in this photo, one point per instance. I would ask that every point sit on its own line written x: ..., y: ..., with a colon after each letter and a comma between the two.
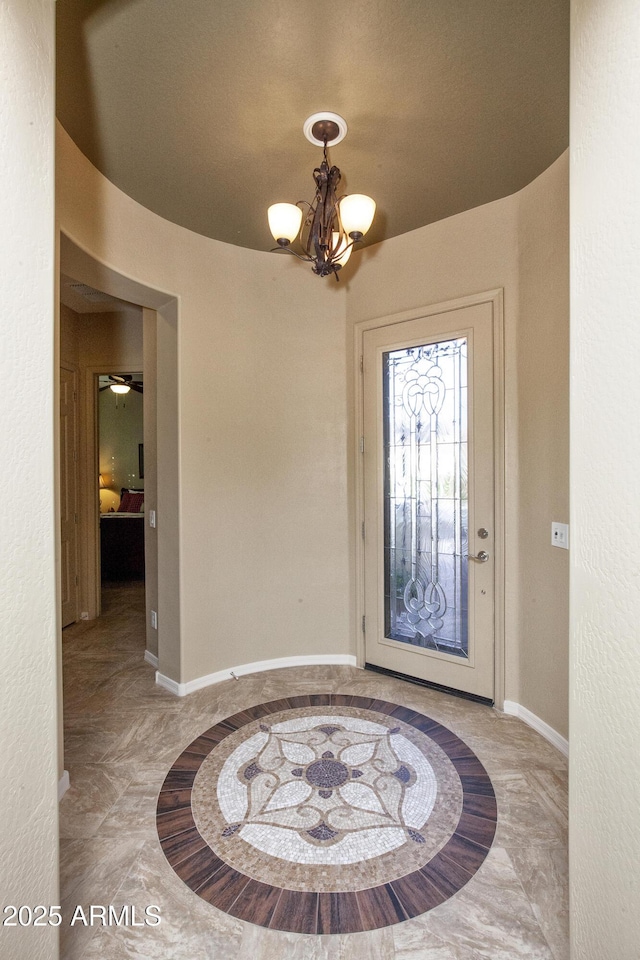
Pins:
x: 326, y: 814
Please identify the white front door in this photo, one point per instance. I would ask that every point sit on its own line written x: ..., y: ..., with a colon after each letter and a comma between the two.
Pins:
x: 429, y: 498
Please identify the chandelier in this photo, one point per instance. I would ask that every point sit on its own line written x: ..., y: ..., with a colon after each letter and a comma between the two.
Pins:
x: 327, y: 228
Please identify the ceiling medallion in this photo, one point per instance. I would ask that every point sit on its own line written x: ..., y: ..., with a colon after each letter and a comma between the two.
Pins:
x: 331, y: 225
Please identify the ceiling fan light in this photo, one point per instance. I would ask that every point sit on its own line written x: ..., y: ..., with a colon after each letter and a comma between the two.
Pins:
x: 339, y: 257
x: 120, y: 387
x: 356, y: 214
x: 284, y: 222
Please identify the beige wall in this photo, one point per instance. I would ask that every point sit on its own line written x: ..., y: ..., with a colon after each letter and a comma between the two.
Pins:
x: 28, y: 776
x: 605, y: 465
x: 521, y: 245
x: 111, y: 342
x: 266, y: 419
x: 543, y: 444
x: 261, y: 385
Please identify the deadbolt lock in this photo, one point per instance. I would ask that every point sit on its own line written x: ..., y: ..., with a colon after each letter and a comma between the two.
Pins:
x: 482, y: 533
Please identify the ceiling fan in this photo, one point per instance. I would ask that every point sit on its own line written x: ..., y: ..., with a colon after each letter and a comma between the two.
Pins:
x: 123, y: 384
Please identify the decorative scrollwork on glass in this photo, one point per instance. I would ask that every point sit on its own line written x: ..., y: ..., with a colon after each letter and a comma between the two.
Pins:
x: 426, y: 605
x: 426, y: 499
x: 423, y: 389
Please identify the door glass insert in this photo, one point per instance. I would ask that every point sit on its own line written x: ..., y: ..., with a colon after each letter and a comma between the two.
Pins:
x: 425, y: 496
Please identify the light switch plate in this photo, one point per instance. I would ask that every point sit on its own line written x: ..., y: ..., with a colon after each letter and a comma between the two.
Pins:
x: 152, y: 518
x: 560, y: 535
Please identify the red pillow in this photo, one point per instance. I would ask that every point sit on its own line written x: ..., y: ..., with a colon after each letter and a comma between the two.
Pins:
x: 131, y: 502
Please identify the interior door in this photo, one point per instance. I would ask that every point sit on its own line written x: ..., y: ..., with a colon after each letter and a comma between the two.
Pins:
x: 68, y: 496
x: 429, y: 498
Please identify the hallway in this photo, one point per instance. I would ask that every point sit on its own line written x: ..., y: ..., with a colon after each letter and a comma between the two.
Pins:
x: 123, y: 734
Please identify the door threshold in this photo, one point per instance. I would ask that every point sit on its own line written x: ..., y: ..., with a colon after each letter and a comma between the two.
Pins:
x: 487, y: 701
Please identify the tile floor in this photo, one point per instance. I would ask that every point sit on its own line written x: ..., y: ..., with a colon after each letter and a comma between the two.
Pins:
x: 265, y: 817
x: 123, y: 733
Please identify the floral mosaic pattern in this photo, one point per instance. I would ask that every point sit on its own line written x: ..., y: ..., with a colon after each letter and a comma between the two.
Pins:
x: 327, y: 789
x: 331, y: 885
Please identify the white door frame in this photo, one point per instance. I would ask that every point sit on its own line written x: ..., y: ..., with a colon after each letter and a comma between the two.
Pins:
x: 74, y: 369
x: 495, y: 299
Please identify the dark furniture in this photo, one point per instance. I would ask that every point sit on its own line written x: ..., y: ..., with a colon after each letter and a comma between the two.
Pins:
x: 122, y: 546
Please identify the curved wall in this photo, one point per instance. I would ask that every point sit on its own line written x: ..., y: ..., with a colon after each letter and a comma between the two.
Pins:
x: 266, y: 413
x: 264, y: 529
x: 543, y: 444
x: 521, y: 244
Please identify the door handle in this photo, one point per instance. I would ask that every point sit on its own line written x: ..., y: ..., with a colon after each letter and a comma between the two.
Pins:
x: 481, y: 557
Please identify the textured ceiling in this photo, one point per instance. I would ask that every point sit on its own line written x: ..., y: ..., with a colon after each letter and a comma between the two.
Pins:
x: 195, y: 108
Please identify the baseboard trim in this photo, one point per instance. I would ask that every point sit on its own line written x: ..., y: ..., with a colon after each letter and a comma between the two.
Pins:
x: 182, y: 689
x: 63, y: 785
x: 514, y: 709
x: 170, y: 685
x: 151, y: 658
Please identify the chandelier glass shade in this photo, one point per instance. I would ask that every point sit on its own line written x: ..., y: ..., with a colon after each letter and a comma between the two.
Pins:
x: 120, y: 387
x: 285, y: 220
x: 327, y: 228
x: 357, y: 212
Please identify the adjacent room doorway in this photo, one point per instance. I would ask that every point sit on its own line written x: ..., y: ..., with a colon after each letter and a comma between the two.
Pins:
x: 120, y: 455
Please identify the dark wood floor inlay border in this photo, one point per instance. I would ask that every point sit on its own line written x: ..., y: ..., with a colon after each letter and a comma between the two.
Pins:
x: 317, y: 911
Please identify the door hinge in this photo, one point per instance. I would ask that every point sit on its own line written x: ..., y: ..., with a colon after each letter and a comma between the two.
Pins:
x: 364, y: 627
x: 361, y: 444
x: 77, y: 581
x: 363, y: 529
x: 361, y: 364
x: 75, y: 518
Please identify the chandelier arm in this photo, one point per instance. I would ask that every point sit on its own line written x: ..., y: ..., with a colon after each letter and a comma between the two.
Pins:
x: 335, y: 256
x: 306, y: 259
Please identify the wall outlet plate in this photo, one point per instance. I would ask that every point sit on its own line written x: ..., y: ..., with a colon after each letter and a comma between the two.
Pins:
x: 560, y: 535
